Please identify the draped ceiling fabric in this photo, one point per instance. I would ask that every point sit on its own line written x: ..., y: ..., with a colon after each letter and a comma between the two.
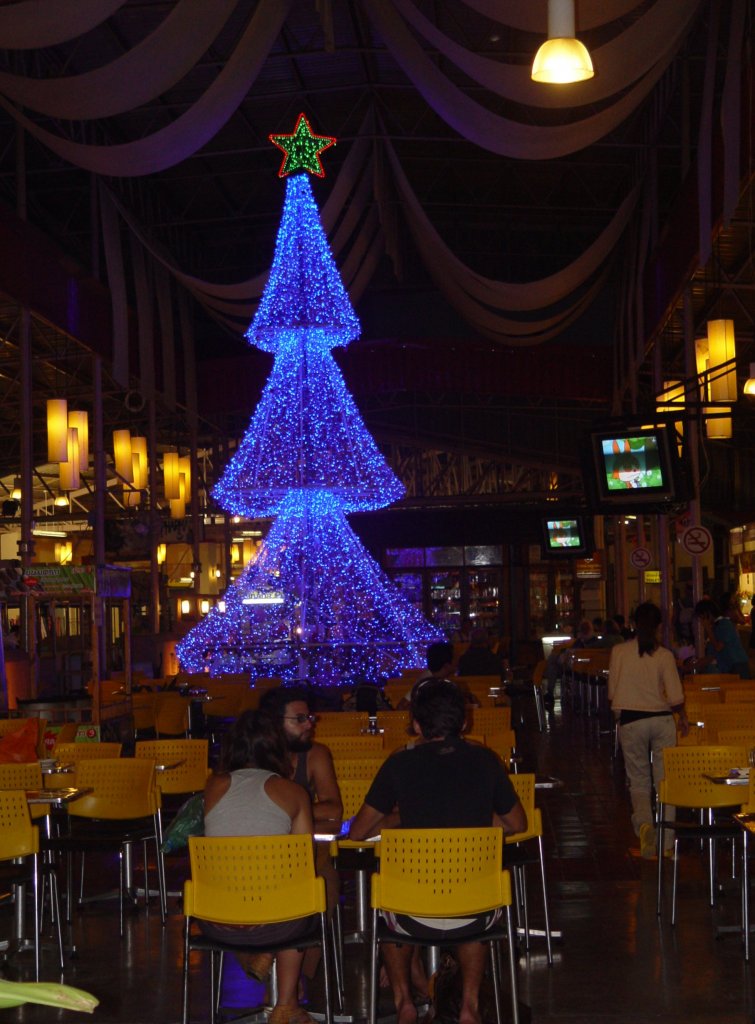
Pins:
x: 357, y: 215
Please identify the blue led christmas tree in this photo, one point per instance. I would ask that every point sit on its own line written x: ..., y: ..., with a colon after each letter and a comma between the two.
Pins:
x: 314, y: 604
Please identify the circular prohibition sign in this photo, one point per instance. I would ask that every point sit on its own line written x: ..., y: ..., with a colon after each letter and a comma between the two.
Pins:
x: 640, y: 558
x: 696, y: 540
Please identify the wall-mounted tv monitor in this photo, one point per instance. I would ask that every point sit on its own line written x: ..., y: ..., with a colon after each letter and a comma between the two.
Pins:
x: 635, y: 466
x: 565, y: 536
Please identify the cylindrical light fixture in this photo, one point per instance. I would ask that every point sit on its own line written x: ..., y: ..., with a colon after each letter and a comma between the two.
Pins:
x: 170, y: 476
x: 204, y: 606
x: 185, y: 606
x: 16, y: 492
x: 718, y: 428
x: 64, y: 552
x: 79, y: 421
x: 562, y: 59
x: 70, y: 473
x: 673, y: 394
x: 140, y: 462
x: 162, y: 553
x: 57, y: 429
x: 178, y: 505
x: 749, y: 384
x: 722, y: 353
x: 123, y: 456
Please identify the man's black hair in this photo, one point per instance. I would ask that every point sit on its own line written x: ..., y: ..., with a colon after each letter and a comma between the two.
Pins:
x: 438, y: 709
x: 274, y: 702
x: 439, y: 654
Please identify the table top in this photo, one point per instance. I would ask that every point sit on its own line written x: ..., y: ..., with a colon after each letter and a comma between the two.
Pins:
x: 741, y: 778
x: 56, y: 796
x: 56, y: 768
x: 548, y: 782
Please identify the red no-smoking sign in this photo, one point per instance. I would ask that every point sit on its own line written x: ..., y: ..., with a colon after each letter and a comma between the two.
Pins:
x: 696, y: 540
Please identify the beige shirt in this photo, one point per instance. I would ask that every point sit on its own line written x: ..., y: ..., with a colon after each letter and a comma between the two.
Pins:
x: 647, y: 683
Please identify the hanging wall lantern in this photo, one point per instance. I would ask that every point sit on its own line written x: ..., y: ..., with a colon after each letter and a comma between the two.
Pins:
x: 57, y: 429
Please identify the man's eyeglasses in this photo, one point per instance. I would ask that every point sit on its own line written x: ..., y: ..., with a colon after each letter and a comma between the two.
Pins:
x: 300, y: 719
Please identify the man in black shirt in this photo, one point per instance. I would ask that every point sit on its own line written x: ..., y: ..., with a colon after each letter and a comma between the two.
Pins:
x: 443, y: 782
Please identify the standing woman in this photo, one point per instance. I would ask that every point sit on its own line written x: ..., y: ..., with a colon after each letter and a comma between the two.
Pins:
x: 251, y: 795
x: 644, y: 690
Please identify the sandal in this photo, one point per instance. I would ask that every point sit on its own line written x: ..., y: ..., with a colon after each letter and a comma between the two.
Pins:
x: 256, y: 965
x: 282, y: 1014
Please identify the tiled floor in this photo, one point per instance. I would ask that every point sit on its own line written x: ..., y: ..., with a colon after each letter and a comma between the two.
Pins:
x: 617, y: 963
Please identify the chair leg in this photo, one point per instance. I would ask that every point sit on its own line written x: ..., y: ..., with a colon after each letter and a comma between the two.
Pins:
x: 675, y: 877
x: 512, y: 969
x: 546, y: 914
x: 373, y: 970
x: 326, y: 970
x: 36, y: 894
x: 659, y: 830
x: 745, y: 896
x: 185, y: 1006
x: 337, y: 948
x: 219, y: 986
x: 494, y: 972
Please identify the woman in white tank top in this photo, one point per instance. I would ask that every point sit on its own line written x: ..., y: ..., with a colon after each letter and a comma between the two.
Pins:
x: 250, y: 795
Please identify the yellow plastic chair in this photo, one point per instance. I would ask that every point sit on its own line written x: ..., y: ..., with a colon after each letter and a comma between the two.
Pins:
x: 190, y: 758
x: 19, y: 840
x: 172, y: 714
x: 685, y: 785
x: 717, y: 718
x: 252, y: 880
x: 350, y: 855
x: 744, y: 694
x: 737, y: 738
x: 143, y: 711
x: 351, y: 747
x: 394, y: 727
x: 517, y: 856
x: 488, y: 720
x: 122, y: 810
x: 75, y: 753
x: 24, y: 776
x: 357, y: 768
x: 341, y: 723
x: 443, y: 873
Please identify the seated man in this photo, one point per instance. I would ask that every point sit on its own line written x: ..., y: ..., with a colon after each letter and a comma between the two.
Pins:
x: 443, y: 782
x: 478, y: 659
x: 440, y: 665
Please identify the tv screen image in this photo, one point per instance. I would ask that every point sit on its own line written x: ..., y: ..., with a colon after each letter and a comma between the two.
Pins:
x: 564, y: 534
x: 633, y: 463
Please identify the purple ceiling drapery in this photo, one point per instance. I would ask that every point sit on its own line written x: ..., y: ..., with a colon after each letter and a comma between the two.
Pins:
x: 142, y: 73
x: 36, y: 23
x: 189, y: 132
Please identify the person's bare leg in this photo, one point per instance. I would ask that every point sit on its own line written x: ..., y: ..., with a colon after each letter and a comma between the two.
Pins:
x: 472, y: 962
x: 418, y: 973
x: 397, y: 960
x: 288, y: 963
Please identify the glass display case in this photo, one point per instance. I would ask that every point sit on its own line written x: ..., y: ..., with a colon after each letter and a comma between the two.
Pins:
x: 445, y: 599
x: 483, y: 598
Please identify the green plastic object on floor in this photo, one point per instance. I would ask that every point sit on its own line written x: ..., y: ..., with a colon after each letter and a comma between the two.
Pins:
x: 45, y: 993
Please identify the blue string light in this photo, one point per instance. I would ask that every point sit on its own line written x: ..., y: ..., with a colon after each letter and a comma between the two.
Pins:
x: 314, y: 604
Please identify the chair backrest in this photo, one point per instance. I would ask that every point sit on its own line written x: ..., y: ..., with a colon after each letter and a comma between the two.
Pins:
x: 18, y: 837
x: 357, y: 768
x: 252, y: 879
x: 685, y: 768
x: 87, y: 751
x: 143, y: 709
x: 394, y: 722
x: 123, y: 788
x: 190, y: 775
x: 737, y: 738
x: 432, y: 872
x: 744, y: 694
x: 342, y: 723
x: 227, y: 699
x: 489, y: 720
x: 354, y: 746
x: 26, y: 775
x: 726, y: 716
x: 353, y: 792
x: 171, y: 714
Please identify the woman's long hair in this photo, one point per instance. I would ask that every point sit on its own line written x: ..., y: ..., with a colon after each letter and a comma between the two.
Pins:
x: 647, y: 619
x: 256, y: 740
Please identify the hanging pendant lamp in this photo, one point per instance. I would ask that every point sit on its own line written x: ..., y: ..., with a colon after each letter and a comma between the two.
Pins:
x: 562, y: 59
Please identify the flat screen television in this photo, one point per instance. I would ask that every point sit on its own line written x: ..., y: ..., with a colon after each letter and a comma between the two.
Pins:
x: 635, y: 466
x: 565, y: 536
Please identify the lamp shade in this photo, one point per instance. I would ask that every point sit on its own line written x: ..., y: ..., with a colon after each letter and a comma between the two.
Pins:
x: 722, y: 361
x: 162, y: 553
x: 718, y: 428
x: 749, y: 385
x: 57, y: 429
x: 170, y: 476
x: 140, y: 461
x: 70, y: 472
x: 178, y: 505
x: 562, y: 59
x: 79, y: 421
x: 123, y: 455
